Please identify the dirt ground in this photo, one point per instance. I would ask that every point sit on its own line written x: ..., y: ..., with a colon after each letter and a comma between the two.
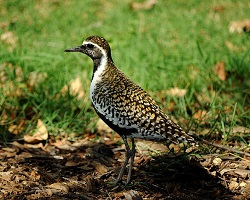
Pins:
x: 86, y: 169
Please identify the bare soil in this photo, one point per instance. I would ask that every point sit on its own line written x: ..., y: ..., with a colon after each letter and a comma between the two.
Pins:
x: 86, y: 169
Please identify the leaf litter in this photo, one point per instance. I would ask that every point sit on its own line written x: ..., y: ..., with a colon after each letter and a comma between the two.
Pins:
x: 85, y: 169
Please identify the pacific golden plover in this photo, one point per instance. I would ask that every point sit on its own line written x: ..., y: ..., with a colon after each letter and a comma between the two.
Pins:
x: 125, y: 106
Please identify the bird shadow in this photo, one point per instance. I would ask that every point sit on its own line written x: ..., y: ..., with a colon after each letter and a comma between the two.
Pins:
x: 176, y: 177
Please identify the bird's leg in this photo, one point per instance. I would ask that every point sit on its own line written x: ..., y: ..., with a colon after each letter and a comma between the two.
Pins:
x: 132, y: 156
x: 128, y: 155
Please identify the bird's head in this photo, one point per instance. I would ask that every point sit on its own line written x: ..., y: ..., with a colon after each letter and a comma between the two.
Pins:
x: 94, y: 46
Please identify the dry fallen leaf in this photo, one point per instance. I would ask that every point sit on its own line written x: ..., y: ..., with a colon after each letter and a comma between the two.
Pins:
x: 11, y: 89
x: 74, y: 88
x: 71, y: 163
x: 132, y: 195
x: 34, y: 78
x: 233, y: 185
x: 200, y: 115
x: 58, y: 142
x: 238, y: 129
x: 58, y: 188
x: 246, y: 194
x: 225, y: 170
x: 240, y: 26
x: 232, y: 46
x: 40, y: 133
x: 35, y: 175
x: 67, y: 147
x: 7, y: 155
x: 6, y: 175
x: 218, y: 8
x: 16, y: 129
x: 220, y: 70
x: 217, y: 161
x: 4, y: 25
x: 10, y: 39
x: 150, y: 147
x: 101, y: 169
x: 119, y: 195
x: 244, y: 173
x: 146, y: 5
x: 176, y: 92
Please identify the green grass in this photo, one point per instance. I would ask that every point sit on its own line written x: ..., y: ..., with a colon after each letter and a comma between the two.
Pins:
x: 174, y: 44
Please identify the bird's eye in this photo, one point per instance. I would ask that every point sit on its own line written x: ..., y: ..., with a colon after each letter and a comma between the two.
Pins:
x: 89, y: 45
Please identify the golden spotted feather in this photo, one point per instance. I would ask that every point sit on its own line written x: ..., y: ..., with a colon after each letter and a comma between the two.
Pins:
x: 129, y: 110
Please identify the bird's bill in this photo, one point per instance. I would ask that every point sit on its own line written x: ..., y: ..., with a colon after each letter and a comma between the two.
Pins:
x: 75, y: 49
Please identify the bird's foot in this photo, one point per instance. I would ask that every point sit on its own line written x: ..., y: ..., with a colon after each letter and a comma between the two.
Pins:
x: 119, y: 181
x: 128, y: 181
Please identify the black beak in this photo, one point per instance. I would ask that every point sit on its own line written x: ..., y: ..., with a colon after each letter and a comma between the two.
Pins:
x: 75, y: 49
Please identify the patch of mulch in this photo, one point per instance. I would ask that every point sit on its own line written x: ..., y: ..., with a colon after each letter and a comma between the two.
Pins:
x: 86, y: 169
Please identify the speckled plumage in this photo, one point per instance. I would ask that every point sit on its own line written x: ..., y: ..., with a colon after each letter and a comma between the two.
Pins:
x: 124, y: 105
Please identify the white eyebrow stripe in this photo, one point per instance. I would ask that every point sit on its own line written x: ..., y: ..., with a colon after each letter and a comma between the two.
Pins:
x: 86, y: 42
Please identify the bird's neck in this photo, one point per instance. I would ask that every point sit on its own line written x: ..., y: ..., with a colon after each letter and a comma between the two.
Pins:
x: 100, y: 65
x: 97, y: 64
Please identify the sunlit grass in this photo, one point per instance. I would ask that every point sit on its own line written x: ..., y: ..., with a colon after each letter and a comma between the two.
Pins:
x: 172, y: 45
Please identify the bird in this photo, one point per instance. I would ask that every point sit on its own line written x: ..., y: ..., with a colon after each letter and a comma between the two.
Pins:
x: 124, y: 106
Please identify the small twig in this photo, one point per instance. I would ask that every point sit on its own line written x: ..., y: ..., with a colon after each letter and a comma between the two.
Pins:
x: 109, y: 196
x: 225, y: 148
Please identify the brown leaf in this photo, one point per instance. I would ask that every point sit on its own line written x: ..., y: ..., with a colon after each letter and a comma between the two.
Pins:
x: 146, y: 5
x: 233, y: 185
x: 232, y: 46
x: 4, y: 25
x: 11, y: 150
x: 36, y: 176
x: 150, y: 147
x: 40, y: 133
x: 239, y: 129
x: 16, y: 129
x: 86, y: 167
x: 220, y: 70
x: 10, y: 39
x: 58, y: 142
x: 200, y: 114
x: 176, y: 92
x: 11, y: 89
x: 71, y: 163
x: 64, y: 144
x: 102, y: 169
x: 119, y: 195
x: 7, y: 155
x: 18, y: 74
x: 58, y: 188
x: 243, y: 173
x: 6, y: 175
x: 218, y: 8
x: 17, y: 144
x: 245, y: 164
x: 240, y: 26
x: 246, y: 194
x: 174, y: 147
x: 34, y: 78
x: 67, y: 147
x: 217, y: 161
x: 74, y: 88
x: 132, y: 195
